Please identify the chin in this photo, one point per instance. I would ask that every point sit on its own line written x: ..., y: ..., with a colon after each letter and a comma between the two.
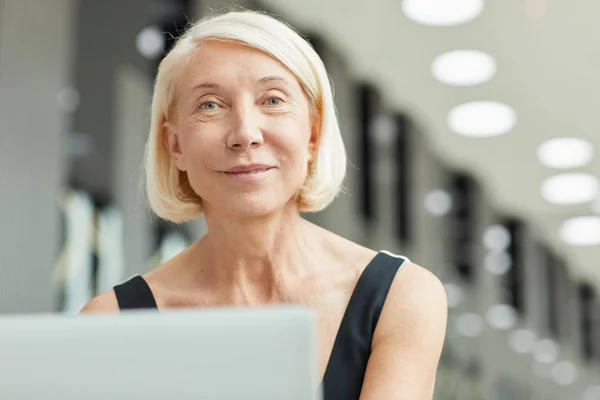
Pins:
x: 250, y: 206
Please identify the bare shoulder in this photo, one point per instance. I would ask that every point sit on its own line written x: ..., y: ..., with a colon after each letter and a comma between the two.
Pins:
x: 409, y: 337
x: 105, y: 302
x: 417, y: 283
x: 416, y: 299
x: 346, y: 251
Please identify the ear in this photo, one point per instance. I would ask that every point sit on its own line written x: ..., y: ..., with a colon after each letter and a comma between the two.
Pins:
x: 313, y: 143
x: 171, y: 142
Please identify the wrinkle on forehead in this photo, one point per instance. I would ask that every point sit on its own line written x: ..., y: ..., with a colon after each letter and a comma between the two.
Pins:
x: 236, y: 52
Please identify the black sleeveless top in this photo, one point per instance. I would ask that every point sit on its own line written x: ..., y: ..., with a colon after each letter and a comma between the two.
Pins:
x: 346, y: 368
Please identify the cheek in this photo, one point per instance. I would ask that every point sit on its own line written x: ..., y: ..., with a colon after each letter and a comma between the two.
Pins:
x: 201, y: 161
x: 293, y: 137
x: 200, y: 149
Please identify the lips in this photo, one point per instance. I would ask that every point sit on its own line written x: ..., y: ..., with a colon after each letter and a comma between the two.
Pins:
x: 250, y: 173
x: 249, y: 169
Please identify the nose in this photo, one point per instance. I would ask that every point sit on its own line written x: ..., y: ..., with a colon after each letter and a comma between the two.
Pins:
x: 245, y: 131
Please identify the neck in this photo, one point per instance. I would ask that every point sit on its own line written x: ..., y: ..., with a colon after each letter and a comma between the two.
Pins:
x: 259, y: 260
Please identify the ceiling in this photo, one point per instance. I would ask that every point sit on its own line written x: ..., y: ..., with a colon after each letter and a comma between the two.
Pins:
x: 547, y: 70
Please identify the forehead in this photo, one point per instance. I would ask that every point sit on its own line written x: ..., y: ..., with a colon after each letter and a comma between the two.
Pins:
x: 228, y: 63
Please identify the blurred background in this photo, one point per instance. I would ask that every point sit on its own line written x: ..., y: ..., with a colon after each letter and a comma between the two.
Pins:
x: 471, y: 131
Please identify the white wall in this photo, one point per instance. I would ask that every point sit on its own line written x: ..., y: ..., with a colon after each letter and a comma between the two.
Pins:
x: 133, y: 89
x: 35, y: 63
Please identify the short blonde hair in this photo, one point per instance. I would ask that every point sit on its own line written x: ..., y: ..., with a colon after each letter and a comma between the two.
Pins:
x: 168, y: 189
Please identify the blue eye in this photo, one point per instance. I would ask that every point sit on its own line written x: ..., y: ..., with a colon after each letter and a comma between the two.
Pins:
x: 209, y: 105
x: 274, y: 101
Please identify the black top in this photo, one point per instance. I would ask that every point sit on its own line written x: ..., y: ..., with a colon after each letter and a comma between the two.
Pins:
x: 352, y: 347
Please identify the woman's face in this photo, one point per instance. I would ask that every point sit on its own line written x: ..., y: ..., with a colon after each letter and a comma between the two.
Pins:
x: 241, y: 130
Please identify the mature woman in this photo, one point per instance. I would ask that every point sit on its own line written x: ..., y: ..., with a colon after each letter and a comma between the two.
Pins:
x: 244, y: 131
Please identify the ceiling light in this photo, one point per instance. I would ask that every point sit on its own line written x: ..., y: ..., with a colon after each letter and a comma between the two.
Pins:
x: 581, y: 231
x: 501, y: 316
x: 150, y: 42
x: 438, y: 202
x: 68, y: 99
x: 469, y: 325
x: 564, y: 373
x: 571, y: 188
x: 463, y: 67
x: 565, y: 153
x: 442, y: 12
x: 496, y: 237
x: 481, y: 119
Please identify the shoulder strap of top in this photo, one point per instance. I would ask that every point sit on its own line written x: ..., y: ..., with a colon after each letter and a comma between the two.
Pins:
x: 352, y: 347
x: 134, y: 294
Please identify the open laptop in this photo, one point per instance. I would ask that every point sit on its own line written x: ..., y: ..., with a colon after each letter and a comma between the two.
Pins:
x: 245, y: 353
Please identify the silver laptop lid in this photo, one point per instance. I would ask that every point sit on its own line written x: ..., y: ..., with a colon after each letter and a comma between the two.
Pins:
x: 222, y: 353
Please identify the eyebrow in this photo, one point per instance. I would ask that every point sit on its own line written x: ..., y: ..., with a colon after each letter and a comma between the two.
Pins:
x: 273, y: 78
x: 206, y: 85
x: 266, y: 79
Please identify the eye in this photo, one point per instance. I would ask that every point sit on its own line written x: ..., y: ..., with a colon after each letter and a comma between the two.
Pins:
x: 209, y: 105
x: 273, y: 101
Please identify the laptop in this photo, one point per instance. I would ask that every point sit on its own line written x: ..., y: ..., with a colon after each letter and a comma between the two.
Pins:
x: 265, y: 353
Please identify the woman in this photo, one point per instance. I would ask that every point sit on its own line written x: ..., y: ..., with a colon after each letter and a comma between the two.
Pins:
x: 244, y: 130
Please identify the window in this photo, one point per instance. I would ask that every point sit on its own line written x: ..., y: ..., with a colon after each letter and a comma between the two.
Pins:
x: 368, y: 104
x: 548, y: 261
x: 586, y: 297
x: 514, y: 278
x: 403, y: 194
x: 462, y: 225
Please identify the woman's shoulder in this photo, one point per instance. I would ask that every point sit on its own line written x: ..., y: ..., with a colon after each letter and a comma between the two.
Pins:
x: 414, y: 287
x: 416, y: 297
x: 341, y: 247
x: 105, y: 302
x: 347, y: 254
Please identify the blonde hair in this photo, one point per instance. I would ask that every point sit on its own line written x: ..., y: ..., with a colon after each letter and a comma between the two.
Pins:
x: 168, y: 189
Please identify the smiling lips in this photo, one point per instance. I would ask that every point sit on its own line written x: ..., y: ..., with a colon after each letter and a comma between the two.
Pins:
x: 249, y: 172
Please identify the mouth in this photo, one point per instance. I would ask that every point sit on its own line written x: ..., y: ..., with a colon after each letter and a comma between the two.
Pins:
x: 252, y: 172
x: 249, y: 171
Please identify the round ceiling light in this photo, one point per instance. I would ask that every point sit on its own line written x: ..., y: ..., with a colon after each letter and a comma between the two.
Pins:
x: 463, y: 67
x: 581, y: 231
x: 501, y: 316
x: 571, y: 188
x: 564, y: 373
x: 469, y: 325
x: 438, y: 202
x: 442, y: 12
x: 565, y: 153
x: 150, y: 42
x: 481, y: 119
x: 496, y: 237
